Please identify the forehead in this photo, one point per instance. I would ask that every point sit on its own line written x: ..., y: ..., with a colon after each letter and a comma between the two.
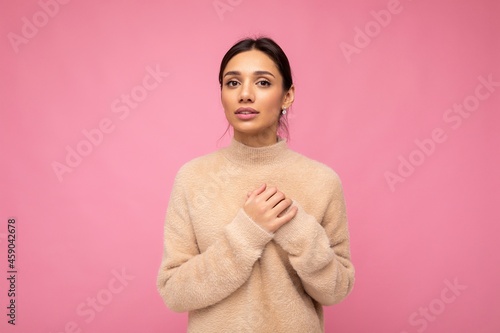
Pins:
x: 251, y: 61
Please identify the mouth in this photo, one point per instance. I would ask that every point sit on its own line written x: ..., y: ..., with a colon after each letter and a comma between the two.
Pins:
x: 246, y: 114
x: 246, y: 111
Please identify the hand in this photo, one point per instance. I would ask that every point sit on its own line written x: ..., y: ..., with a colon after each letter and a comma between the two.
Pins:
x: 267, y: 206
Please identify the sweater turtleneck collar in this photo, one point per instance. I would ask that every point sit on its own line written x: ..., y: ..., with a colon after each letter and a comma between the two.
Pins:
x: 240, y: 153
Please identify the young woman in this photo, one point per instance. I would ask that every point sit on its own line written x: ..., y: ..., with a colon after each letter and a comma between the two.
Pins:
x: 256, y: 235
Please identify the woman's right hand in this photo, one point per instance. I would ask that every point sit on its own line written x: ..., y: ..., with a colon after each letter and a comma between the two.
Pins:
x: 267, y: 206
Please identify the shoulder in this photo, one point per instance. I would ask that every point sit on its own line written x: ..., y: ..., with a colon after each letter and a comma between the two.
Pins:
x: 314, y: 174
x: 199, y: 166
x: 314, y: 168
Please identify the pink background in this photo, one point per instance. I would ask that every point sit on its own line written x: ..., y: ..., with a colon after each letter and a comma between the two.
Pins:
x: 361, y: 112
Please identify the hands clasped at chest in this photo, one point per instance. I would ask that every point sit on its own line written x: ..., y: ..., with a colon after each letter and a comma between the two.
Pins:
x: 269, y: 208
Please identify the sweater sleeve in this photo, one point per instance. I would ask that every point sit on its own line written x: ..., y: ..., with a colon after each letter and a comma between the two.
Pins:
x: 189, y: 280
x: 320, y: 253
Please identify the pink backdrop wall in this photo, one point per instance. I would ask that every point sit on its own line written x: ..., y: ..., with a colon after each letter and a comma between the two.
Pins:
x: 102, y: 101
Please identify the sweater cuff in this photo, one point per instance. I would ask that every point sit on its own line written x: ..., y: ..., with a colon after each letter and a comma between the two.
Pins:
x: 243, y: 233
x: 295, y: 236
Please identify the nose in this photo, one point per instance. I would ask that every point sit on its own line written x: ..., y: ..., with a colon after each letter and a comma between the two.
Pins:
x: 246, y: 93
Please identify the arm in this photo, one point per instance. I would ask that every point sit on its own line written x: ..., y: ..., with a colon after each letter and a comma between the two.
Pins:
x: 320, y: 253
x: 190, y: 280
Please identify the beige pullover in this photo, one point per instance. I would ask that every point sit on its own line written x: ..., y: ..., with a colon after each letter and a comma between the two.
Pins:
x: 232, y: 275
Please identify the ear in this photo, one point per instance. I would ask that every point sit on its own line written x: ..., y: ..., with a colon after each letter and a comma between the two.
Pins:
x: 289, y: 97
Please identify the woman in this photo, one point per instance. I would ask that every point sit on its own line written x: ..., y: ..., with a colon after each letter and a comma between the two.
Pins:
x: 256, y: 235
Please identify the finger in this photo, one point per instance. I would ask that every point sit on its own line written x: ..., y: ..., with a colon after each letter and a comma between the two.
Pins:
x: 269, y: 192
x: 288, y: 216
x: 281, y: 207
x: 276, y: 198
x: 257, y: 191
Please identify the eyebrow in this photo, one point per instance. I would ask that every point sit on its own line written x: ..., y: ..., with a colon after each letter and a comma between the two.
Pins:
x: 255, y: 73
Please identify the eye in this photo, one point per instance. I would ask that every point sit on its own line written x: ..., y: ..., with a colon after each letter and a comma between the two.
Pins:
x: 264, y: 83
x: 232, y: 83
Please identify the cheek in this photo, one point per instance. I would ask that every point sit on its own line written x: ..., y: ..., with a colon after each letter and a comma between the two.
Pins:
x: 274, y: 100
x: 225, y: 98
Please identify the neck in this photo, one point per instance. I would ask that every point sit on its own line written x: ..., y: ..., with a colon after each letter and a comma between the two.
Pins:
x: 262, y: 139
x: 243, y: 154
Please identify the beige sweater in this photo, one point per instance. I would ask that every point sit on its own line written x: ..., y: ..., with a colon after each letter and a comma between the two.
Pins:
x: 232, y: 275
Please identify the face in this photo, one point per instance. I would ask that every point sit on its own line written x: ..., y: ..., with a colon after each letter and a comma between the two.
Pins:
x: 252, y: 96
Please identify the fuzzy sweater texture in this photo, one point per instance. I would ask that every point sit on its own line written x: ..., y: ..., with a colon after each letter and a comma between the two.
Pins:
x: 233, y: 276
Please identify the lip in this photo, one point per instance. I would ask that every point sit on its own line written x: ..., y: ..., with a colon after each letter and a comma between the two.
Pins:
x: 246, y: 113
x: 246, y: 110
